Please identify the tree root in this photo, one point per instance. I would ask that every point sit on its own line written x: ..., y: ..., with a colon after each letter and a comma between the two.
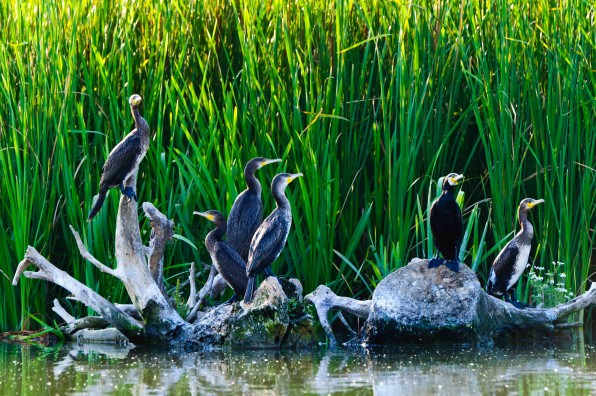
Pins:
x: 325, y: 300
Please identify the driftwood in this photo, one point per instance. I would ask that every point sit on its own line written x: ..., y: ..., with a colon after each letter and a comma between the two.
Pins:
x: 489, y: 317
x: 139, y: 268
x: 152, y: 317
x: 73, y: 325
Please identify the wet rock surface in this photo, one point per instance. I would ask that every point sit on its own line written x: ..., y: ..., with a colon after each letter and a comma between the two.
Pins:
x: 417, y: 303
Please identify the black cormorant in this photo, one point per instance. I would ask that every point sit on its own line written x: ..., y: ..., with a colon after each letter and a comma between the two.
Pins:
x: 124, y: 159
x: 270, y: 237
x: 247, y: 212
x: 446, y: 225
x: 225, y: 259
x: 511, y: 261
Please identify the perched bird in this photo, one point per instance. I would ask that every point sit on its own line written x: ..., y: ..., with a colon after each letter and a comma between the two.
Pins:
x: 247, y: 211
x: 225, y: 259
x: 270, y: 238
x: 446, y: 225
x: 511, y: 261
x: 124, y: 159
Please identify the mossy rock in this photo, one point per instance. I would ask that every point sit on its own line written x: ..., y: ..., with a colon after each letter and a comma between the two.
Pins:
x: 271, y: 320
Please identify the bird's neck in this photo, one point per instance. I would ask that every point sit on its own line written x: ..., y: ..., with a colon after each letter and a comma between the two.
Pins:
x: 448, y: 193
x: 140, y: 123
x: 216, y: 235
x: 526, y: 226
x: 281, y: 200
x: 252, y: 182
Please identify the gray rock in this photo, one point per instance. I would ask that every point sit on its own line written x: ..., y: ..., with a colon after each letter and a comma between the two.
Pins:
x: 416, y: 303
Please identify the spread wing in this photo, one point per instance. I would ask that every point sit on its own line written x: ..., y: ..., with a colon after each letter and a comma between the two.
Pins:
x: 121, y: 160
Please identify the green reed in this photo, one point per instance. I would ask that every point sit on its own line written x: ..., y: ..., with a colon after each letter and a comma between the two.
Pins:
x: 372, y: 101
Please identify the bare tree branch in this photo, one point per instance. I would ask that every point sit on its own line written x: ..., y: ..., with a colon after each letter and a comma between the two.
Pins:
x: 325, y: 300
x: 163, y: 231
x: 60, y: 311
x: 49, y: 272
x: 89, y: 257
x: 213, y: 288
x: 192, y: 298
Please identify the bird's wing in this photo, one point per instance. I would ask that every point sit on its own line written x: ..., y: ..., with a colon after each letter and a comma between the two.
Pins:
x: 433, y: 217
x: 121, y: 159
x: 505, y: 260
x: 265, y: 244
x: 228, y: 255
x: 245, y: 216
x: 233, y: 268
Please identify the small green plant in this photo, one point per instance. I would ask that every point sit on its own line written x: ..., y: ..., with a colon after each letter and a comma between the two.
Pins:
x: 179, y: 301
x: 548, y: 286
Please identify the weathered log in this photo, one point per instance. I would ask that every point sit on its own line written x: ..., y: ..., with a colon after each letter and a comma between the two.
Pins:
x: 47, y: 271
x: 162, y: 232
x: 104, y: 336
x: 73, y: 325
x: 422, y: 304
x: 325, y: 300
x: 140, y: 269
x: 192, y: 297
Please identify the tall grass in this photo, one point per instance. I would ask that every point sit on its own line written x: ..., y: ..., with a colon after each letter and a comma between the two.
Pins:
x: 372, y: 101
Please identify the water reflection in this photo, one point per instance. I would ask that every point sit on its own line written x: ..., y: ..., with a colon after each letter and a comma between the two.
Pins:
x: 564, y: 368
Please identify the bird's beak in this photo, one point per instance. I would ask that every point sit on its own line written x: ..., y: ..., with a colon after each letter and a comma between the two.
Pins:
x: 269, y: 161
x: 456, y: 179
x: 294, y: 176
x: 208, y: 216
x: 535, y: 202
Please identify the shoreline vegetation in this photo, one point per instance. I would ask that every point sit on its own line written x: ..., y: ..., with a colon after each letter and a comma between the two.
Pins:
x: 373, y: 101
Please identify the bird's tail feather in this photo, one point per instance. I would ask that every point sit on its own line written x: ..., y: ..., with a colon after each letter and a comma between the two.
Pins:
x: 100, y: 198
x: 250, y: 288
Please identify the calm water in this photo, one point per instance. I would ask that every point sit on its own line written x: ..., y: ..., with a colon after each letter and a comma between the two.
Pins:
x: 567, y: 368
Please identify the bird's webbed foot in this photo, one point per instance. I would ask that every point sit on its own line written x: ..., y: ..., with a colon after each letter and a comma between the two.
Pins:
x: 453, y: 265
x: 434, y: 262
x: 130, y: 193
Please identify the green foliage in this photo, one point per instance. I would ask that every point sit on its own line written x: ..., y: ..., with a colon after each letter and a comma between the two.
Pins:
x: 372, y: 101
x: 548, y: 287
x: 179, y: 301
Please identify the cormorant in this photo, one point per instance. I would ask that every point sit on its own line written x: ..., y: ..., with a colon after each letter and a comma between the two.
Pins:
x: 446, y: 225
x: 511, y: 261
x: 225, y: 259
x: 247, y: 212
x: 124, y: 159
x: 270, y: 238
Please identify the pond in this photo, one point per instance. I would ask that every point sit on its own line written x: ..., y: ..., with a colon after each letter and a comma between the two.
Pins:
x: 562, y: 367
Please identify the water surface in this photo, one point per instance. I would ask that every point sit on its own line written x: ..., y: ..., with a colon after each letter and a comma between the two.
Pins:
x: 563, y: 367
